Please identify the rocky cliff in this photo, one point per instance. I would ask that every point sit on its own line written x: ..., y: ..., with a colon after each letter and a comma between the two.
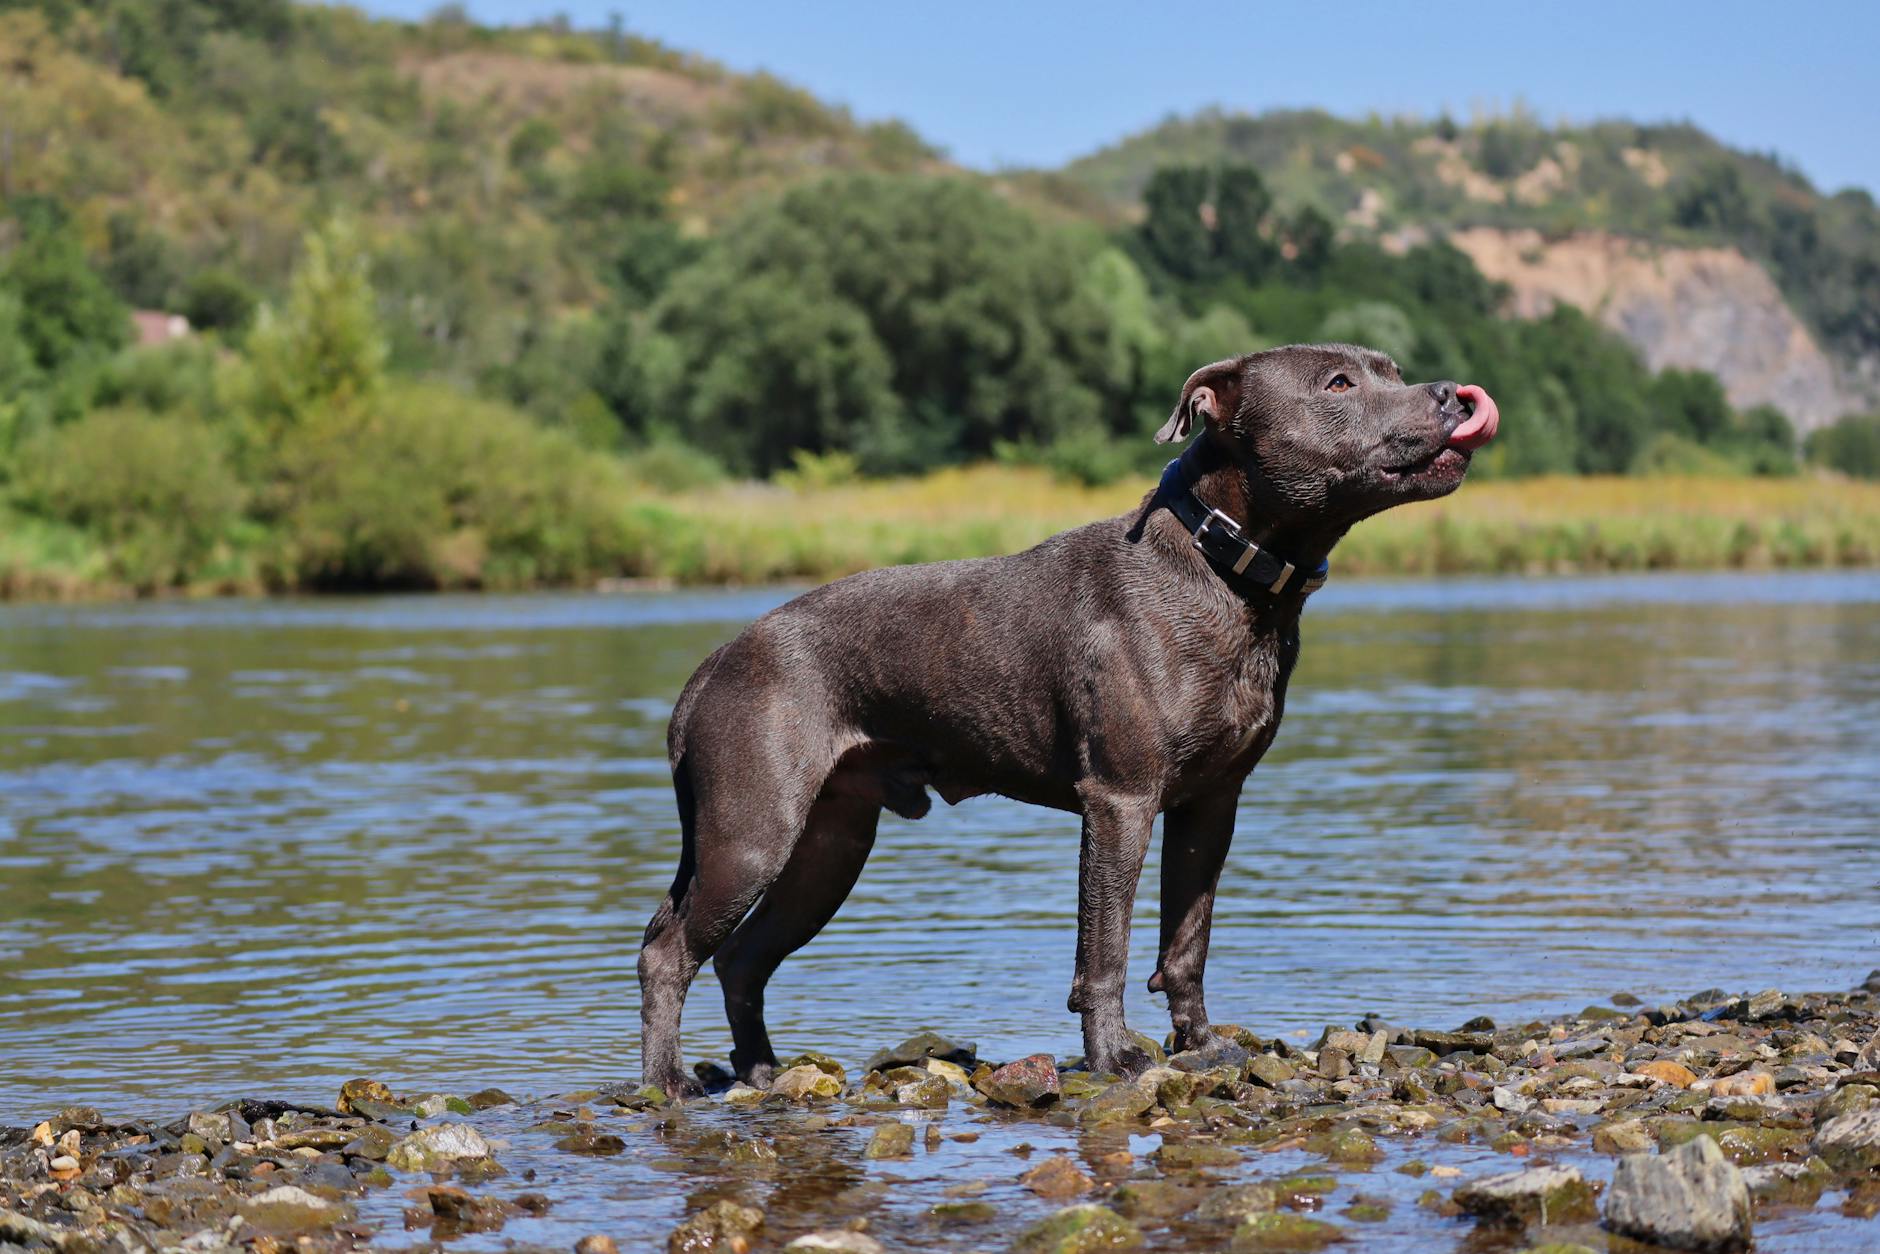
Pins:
x: 1696, y: 308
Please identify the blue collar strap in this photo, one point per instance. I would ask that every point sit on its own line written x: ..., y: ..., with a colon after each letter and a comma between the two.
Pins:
x: 1244, y: 565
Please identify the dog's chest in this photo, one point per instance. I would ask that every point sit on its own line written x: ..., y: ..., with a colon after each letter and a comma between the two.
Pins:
x: 1237, y: 724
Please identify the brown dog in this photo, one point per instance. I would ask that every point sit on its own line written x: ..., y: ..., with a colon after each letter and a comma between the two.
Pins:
x: 1132, y: 667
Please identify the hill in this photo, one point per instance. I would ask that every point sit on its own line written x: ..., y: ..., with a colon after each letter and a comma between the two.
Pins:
x: 295, y: 298
x: 1639, y: 223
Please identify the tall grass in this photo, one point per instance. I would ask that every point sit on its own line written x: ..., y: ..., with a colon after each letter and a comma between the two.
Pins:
x: 756, y: 533
x: 613, y: 528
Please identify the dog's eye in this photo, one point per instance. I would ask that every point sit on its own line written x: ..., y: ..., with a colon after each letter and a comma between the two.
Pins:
x: 1339, y: 383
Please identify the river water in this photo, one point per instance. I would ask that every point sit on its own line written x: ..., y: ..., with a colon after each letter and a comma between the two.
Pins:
x: 267, y: 846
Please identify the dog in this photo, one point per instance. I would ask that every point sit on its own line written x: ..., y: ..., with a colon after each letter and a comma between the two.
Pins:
x: 1128, y: 668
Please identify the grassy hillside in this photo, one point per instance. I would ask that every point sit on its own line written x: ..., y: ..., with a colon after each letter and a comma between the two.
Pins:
x: 500, y: 308
x: 499, y: 175
x: 1667, y: 183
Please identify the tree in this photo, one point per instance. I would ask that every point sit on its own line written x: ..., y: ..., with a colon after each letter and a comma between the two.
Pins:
x: 1173, y: 230
x: 1851, y: 446
x: 326, y: 347
x: 1691, y: 403
x: 1241, y: 203
x: 1312, y: 237
x: 904, y: 318
x: 67, y: 310
x: 1713, y: 199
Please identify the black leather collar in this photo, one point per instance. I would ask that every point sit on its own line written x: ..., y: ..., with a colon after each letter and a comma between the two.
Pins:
x: 1244, y: 565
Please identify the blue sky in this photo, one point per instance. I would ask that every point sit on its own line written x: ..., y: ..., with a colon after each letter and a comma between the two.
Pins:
x: 1037, y: 84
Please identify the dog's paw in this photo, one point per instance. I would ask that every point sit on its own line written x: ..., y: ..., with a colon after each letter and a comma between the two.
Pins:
x: 760, y: 1075
x: 1127, y: 1063
x: 677, y: 1087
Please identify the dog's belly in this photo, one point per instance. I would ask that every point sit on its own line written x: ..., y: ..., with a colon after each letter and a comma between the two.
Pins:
x: 897, y: 777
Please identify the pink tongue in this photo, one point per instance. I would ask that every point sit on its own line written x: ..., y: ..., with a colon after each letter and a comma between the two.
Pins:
x: 1479, y: 427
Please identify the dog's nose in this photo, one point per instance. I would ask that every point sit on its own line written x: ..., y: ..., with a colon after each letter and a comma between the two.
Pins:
x: 1444, y: 392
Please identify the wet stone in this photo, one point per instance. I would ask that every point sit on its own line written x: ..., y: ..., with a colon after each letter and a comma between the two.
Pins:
x: 1154, y: 1199
x: 1537, y: 1195
x: 373, y: 1144
x: 1057, y: 1177
x: 1194, y: 1156
x: 1078, y: 1230
x: 917, y: 1049
x: 1237, y: 1202
x: 596, y: 1245
x: 963, y: 1212
x: 1265, y: 1069
x: 724, y: 1225
x: 1030, y: 1082
x: 1688, y: 1199
x: 1851, y: 1142
x: 355, y: 1091
x: 436, y: 1147
x: 288, y: 1209
x: 1788, y: 1184
x: 823, y: 1063
x: 891, y: 1140
x: 805, y: 1083
x: 490, y: 1099
x: 1277, y: 1230
x: 844, y: 1241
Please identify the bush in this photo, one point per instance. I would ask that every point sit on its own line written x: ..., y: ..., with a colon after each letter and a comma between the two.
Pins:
x: 1851, y: 446
x: 1669, y: 454
x: 157, y: 491
x: 423, y: 487
x: 219, y: 300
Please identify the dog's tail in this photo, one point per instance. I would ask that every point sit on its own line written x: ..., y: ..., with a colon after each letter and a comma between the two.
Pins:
x: 688, y: 852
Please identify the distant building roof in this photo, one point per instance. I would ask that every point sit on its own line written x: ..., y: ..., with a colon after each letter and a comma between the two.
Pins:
x: 154, y: 326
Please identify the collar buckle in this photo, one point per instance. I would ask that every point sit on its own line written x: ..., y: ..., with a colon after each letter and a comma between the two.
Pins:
x: 1213, y: 518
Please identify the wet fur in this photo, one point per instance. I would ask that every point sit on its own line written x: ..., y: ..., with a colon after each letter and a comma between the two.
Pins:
x: 1108, y: 672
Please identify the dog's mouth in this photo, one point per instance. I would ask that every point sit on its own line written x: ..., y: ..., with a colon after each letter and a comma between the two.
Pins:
x: 1473, y: 427
x: 1479, y: 425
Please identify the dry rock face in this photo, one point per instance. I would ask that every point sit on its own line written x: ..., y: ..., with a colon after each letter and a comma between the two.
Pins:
x: 1694, y: 308
x: 1688, y: 1199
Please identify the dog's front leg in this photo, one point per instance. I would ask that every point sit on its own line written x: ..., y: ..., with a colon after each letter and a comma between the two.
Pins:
x: 1116, y: 837
x: 1195, y: 837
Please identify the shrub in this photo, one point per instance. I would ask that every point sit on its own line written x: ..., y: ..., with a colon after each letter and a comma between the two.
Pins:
x: 157, y: 491
x: 218, y: 300
x: 425, y: 487
x: 1851, y: 446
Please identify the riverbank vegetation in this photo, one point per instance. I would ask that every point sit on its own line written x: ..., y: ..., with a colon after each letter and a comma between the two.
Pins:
x: 292, y: 299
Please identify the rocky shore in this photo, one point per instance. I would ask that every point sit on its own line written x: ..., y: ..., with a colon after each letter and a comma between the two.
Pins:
x: 1707, y: 1124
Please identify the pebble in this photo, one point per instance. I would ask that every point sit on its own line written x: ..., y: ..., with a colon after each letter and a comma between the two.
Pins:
x: 1782, y: 1090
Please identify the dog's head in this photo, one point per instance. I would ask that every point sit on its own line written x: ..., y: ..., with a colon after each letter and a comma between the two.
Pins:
x: 1331, y: 432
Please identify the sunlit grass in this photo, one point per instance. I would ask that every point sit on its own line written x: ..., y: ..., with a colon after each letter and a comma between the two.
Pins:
x: 756, y: 533
x: 759, y: 533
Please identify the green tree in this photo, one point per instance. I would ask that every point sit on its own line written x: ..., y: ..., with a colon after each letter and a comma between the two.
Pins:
x: 326, y: 347
x: 67, y: 312
x: 1691, y: 403
x: 1312, y: 237
x: 1851, y: 446
x: 907, y: 319
x: 1173, y: 229
x: 1241, y: 205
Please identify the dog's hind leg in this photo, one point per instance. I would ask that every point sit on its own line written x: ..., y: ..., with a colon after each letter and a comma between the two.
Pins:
x: 1195, y: 837
x: 817, y: 880
x: 734, y: 850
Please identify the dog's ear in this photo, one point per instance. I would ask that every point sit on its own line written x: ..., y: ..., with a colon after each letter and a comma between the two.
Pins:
x: 1211, y: 392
